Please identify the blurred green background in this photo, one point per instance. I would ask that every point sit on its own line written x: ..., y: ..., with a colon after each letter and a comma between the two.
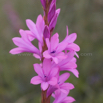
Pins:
x: 85, y: 17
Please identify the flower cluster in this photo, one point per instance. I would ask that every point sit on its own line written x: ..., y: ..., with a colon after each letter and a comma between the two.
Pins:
x: 55, y: 56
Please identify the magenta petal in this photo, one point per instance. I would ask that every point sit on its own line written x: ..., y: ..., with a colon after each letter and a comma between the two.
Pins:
x: 30, y: 35
x: 61, y: 55
x: 32, y: 26
x: 36, y: 56
x: 61, y: 46
x: 63, y: 77
x: 54, y: 72
x: 73, y: 46
x: 46, y: 54
x: 75, y: 72
x: 51, y: 12
x: 36, y: 80
x: 40, y: 24
x: 46, y: 32
x: 68, y: 99
x: 25, y: 45
x: 44, y: 85
x: 67, y: 86
x: 55, y: 60
x: 38, y: 69
x: 54, y: 40
x: 53, y: 81
x: 54, y: 20
x: 46, y: 66
x: 69, y: 65
x: 71, y: 38
x: 18, y: 41
x: 58, y: 11
x: 24, y: 35
x: 64, y: 91
x: 74, y: 60
x: 16, y: 50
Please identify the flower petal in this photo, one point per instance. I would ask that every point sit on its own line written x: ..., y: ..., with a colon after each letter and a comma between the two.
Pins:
x: 61, y: 46
x: 31, y: 37
x: 36, y: 56
x: 73, y: 46
x: 54, y: 71
x: 46, y: 66
x: 71, y: 38
x: 46, y: 54
x: 46, y: 32
x: 38, y: 70
x: 55, y: 60
x: 61, y: 55
x: 75, y: 72
x: 16, y: 50
x: 69, y: 65
x: 44, y: 85
x: 54, y: 40
x: 69, y: 99
x: 32, y: 26
x: 51, y: 12
x: 53, y: 81
x: 24, y: 36
x: 36, y: 80
x: 40, y: 25
x: 19, y: 41
x: 63, y: 77
x: 67, y: 86
x: 54, y: 20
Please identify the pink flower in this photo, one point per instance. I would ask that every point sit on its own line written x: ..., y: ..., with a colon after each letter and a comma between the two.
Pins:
x: 71, y: 46
x: 37, y: 29
x: 24, y: 44
x: 46, y: 74
x: 55, y: 49
x: 69, y: 64
x: 61, y: 86
x: 62, y: 98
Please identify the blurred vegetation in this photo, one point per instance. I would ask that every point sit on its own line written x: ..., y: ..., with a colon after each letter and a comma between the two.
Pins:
x: 85, y: 17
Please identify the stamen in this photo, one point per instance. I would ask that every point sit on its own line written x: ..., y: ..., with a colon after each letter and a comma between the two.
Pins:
x: 53, y: 51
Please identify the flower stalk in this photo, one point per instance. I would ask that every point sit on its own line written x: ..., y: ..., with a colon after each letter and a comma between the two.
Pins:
x: 46, y: 10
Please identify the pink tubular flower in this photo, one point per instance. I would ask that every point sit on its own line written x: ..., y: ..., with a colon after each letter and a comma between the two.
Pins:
x: 24, y: 44
x: 46, y: 74
x: 69, y: 64
x: 37, y: 29
x: 71, y: 46
x: 61, y: 86
x: 55, y: 51
x: 62, y: 98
